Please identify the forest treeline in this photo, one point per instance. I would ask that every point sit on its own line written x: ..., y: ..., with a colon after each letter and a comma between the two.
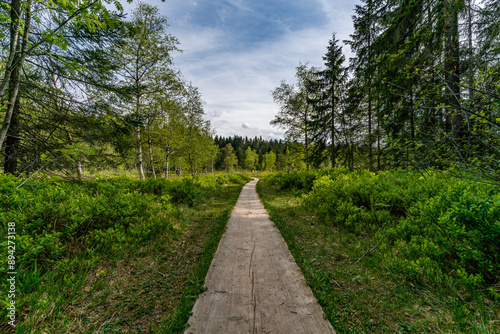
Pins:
x: 422, y: 90
x: 84, y: 88
x: 257, y: 154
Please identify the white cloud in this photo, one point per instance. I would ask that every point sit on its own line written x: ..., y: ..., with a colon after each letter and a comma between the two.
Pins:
x: 236, y: 82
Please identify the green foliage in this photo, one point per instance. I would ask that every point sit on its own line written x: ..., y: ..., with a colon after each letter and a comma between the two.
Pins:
x: 50, y: 215
x: 102, y: 213
x: 303, y: 180
x: 186, y: 191
x: 269, y: 161
x: 66, y: 228
x: 432, y: 229
x: 251, y: 159
x: 454, y: 236
x: 362, y: 200
x: 294, y: 180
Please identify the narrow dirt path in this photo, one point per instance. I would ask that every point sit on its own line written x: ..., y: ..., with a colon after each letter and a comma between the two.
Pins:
x: 253, y: 284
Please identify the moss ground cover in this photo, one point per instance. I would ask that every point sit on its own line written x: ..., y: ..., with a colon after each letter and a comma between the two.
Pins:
x: 112, y: 255
x: 394, y: 252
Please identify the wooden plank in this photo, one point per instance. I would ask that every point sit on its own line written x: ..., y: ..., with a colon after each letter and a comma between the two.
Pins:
x: 253, y: 284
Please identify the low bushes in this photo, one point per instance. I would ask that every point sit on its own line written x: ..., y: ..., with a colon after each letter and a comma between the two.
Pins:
x: 52, y: 215
x: 62, y: 227
x: 451, y: 237
x: 433, y: 230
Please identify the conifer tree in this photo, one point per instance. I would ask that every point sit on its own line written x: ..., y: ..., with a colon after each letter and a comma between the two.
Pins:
x: 327, y: 91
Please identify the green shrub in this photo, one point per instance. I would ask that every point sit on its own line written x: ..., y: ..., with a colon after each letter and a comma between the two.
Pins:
x: 346, y: 201
x: 101, y: 214
x: 303, y: 180
x: 364, y: 201
x: 294, y: 180
x: 454, y: 236
x: 433, y: 229
x: 185, y: 191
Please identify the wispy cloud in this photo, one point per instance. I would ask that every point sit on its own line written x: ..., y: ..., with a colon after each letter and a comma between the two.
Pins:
x: 237, y: 51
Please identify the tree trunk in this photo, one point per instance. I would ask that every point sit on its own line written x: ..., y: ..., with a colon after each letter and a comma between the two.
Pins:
x: 167, y: 156
x: 78, y: 160
x: 17, y: 55
x: 150, y: 147
x: 138, y: 144
x: 191, y: 165
x: 334, y: 163
x: 370, y: 153
x: 306, y: 126
x: 351, y: 156
x: 139, y: 152
x: 435, y: 121
x: 378, y: 133
x: 412, y: 115
x: 452, y: 70
x: 12, y: 141
x: 12, y: 138
x: 347, y: 147
x: 470, y: 59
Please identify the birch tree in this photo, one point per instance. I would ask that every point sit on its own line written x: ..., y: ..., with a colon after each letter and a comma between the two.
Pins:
x: 141, y: 57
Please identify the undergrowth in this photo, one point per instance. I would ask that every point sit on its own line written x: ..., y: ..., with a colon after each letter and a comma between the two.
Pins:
x: 111, y: 255
x: 430, y: 241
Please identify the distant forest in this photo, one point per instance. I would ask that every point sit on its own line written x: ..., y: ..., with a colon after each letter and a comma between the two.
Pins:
x: 258, y: 154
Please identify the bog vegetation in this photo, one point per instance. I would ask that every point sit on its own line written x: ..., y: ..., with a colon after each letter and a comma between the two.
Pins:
x: 111, y: 255
x: 427, y: 243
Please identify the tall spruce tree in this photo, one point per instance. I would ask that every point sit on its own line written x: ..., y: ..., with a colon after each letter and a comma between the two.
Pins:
x: 326, y: 93
x: 363, y: 65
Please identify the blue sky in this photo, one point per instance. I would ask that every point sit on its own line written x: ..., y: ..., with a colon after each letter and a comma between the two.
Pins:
x: 237, y: 51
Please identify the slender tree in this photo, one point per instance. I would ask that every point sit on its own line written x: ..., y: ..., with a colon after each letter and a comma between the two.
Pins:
x: 327, y: 90
x: 141, y: 56
x: 295, y: 109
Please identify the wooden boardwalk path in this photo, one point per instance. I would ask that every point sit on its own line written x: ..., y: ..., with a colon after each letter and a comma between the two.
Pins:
x: 253, y: 284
